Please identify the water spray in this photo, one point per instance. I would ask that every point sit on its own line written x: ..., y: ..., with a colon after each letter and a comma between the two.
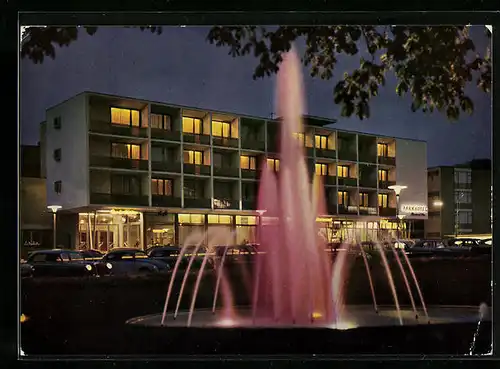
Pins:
x: 483, y: 312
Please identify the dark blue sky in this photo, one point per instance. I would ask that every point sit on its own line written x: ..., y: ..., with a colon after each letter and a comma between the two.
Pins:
x: 180, y: 67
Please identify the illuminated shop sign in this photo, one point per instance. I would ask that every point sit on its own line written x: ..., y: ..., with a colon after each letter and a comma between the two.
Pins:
x: 414, y: 209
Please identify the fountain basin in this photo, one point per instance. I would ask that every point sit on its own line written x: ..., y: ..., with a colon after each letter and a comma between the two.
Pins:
x: 450, y: 330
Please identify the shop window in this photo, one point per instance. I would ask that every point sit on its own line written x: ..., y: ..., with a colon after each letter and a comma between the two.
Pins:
x: 246, y: 220
x: 191, y: 219
x: 220, y: 219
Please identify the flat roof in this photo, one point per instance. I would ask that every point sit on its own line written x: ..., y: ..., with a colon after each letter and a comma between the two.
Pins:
x: 313, y: 117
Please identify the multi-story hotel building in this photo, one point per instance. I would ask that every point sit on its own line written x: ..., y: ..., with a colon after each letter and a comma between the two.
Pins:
x: 129, y: 172
x: 460, y: 200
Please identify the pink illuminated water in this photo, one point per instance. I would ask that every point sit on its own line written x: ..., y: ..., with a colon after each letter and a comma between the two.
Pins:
x: 294, y: 281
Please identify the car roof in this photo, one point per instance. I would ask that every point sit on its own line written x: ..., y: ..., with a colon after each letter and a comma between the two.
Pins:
x: 165, y: 248
x: 52, y: 251
x: 125, y: 249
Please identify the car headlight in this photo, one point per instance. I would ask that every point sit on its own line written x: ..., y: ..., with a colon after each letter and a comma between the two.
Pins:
x: 109, y: 266
x: 88, y: 267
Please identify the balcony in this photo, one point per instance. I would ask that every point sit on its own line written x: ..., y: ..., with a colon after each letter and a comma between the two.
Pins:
x: 198, y: 203
x: 368, y: 183
x: 253, y: 144
x: 166, y: 201
x: 226, y: 172
x: 118, y: 199
x: 384, y: 185
x: 366, y: 210
x: 196, y: 139
x: 349, y: 155
x: 328, y: 154
x: 343, y: 209
x: 225, y: 141
x: 331, y: 208
x: 250, y: 174
x: 197, y: 169
x: 330, y: 180
x: 249, y: 204
x: 118, y: 163
x: 367, y: 157
x: 117, y: 129
x: 225, y: 203
x: 387, y: 212
x: 387, y: 160
x: 163, y: 134
x: 309, y: 151
x: 343, y: 181
x: 166, y: 166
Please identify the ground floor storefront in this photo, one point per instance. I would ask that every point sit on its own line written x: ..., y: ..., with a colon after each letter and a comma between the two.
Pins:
x: 107, y: 229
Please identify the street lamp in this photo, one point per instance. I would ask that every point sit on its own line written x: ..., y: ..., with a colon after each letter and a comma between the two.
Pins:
x: 397, y: 189
x: 54, y: 209
x: 438, y: 203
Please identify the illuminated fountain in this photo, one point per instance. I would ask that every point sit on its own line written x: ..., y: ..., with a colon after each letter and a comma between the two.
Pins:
x: 295, y: 283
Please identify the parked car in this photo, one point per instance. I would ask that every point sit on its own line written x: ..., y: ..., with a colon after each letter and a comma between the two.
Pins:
x: 426, y: 248
x: 129, y: 261
x: 167, y: 254
x: 56, y: 263
x: 91, y: 254
x: 468, y: 246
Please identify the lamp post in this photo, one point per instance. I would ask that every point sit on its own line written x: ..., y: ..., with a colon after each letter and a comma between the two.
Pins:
x: 397, y: 189
x: 438, y: 204
x: 457, y: 211
x: 54, y: 209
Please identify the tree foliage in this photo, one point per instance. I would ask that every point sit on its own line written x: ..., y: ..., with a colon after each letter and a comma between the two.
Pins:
x: 433, y: 64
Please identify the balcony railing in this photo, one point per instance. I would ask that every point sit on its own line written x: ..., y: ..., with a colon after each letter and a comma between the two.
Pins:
x: 331, y: 208
x: 351, y: 209
x: 249, y: 173
x: 367, y: 210
x: 196, y: 139
x: 344, y: 181
x: 197, y: 169
x: 347, y: 155
x: 166, y: 166
x: 309, y: 151
x: 387, y: 160
x: 166, y: 201
x: 384, y: 185
x: 117, y: 129
x: 330, y: 180
x: 118, y: 199
x: 226, y: 172
x: 225, y: 141
x: 253, y: 144
x: 118, y: 163
x: 198, y: 203
x: 249, y: 204
x: 462, y: 186
x: 324, y: 153
x: 387, y: 212
x: 163, y: 134
x: 367, y: 157
x: 226, y: 203
x: 368, y: 182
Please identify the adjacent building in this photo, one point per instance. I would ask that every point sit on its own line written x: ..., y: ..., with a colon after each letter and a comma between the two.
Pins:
x: 35, y: 221
x: 460, y: 200
x: 129, y: 172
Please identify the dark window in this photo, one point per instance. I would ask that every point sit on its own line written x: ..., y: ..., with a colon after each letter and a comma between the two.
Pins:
x: 194, y: 189
x: 57, y: 186
x: 125, y: 185
x: 57, y: 154
x: 57, y: 123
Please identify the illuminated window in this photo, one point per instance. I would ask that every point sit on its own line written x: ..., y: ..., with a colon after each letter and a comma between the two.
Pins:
x: 248, y: 162
x: 382, y: 149
x: 126, y: 117
x: 321, y: 142
x: 363, y: 199
x: 191, y: 125
x: 383, y: 200
x: 382, y: 175
x: 343, y: 171
x: 160, y: 121
x: 191, y: 219
x: 321, y: 169
x: 300, y: 137
x: 193, y: 157
x: 220, y: 219
x: 126, y: 151
x: 221, y: 129
x: 161, y: 187
x: 343, y: 198
x: 246, y: 220
x: 274, y: 164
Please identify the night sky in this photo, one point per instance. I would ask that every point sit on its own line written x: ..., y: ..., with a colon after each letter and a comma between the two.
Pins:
x: 181, y: 67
